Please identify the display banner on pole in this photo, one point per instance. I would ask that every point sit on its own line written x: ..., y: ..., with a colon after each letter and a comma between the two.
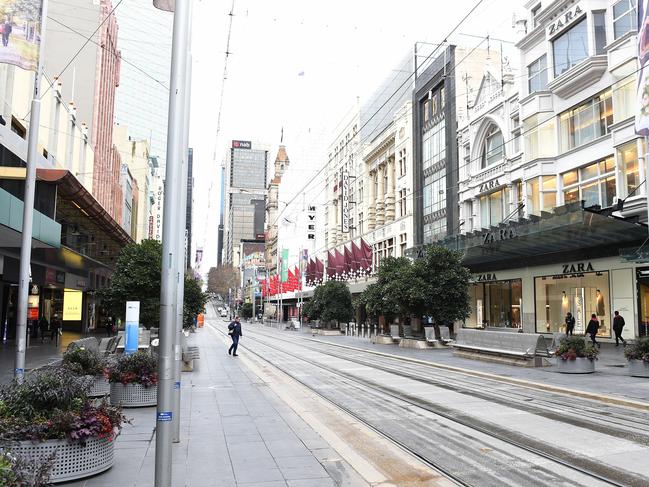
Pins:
x: 642, y: 94
x: 284, y: 265
x: 344, y: 204
x: 132, y: 331
x: 20, y: 29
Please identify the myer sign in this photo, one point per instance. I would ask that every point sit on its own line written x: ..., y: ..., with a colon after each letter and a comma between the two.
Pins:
x: 564, y: 20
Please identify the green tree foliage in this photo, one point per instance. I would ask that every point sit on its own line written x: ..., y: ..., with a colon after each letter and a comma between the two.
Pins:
x: 194, y: 301
x: 137, y: 278
x: 331, y: 301
x: 246, y: 310
x: 443, y: 284
x: 435, y: 286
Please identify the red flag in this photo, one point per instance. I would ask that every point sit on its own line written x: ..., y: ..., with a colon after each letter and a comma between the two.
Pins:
x: 340, y: 264
x: 358, y: 259
x: 349, y: 268
x: 319, y: 271
x: 366, y: 251
x: 331, y: 265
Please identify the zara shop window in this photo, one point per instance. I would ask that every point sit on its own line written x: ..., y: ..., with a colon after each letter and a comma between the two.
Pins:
x: 570, y: 48
x: 594, y: 184
x: 580, y: 293
x: 493, y: 207
x: 496, y: 303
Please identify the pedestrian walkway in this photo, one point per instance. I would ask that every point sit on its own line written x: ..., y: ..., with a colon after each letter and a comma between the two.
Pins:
x: 610, y: 377
x: 234, y: 432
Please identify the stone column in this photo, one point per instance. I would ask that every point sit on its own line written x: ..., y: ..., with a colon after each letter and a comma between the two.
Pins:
x: 371, y: 207
x: 390, y: 196
x: 380, y: 197
x: 477, y: 223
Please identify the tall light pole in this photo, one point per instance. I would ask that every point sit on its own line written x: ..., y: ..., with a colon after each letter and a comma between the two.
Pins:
x: 28, y: 210
x: 178, y: 88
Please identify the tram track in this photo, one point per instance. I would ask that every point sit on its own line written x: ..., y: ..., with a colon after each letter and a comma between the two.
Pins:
x: 603, y: 418
x: 426, y: 417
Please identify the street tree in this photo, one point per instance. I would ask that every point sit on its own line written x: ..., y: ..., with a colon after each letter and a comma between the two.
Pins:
x: 220, y: 279
x: 443, y: 284
x: 194, y: 301
x: 137, y: 278
x: 331, y: 302
x: 246, y: 310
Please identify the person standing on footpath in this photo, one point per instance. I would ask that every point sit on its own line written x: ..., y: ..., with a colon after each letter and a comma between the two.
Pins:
x: 234, y: 330
x: 618, y: 325
x: 44, y: 326
x: 570, y: 324
x: 592, y: 328
x: 55, y: 329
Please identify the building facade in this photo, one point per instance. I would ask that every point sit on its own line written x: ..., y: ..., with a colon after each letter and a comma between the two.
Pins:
x: 552, y: 198
x: 245, y: 203
x: 272, y: 211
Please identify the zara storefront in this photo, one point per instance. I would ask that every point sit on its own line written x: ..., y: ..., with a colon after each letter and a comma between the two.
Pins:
x: 529, y: 274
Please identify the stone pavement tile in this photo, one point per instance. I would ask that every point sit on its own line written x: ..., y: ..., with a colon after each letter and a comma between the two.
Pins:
x: 254, y: 474
x: 282, y: 448
x: 295, y: 462
x: 311, y: 483
x: 237, y: 439
x: 315, y: 472
x: 279, y: 483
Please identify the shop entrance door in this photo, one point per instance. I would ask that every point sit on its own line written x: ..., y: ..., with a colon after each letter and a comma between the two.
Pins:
x: 642, y: 276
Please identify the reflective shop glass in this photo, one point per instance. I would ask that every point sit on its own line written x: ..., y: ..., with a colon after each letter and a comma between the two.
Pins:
x: 495, y: 303
x: 581, y: 294
x: 570, y: 48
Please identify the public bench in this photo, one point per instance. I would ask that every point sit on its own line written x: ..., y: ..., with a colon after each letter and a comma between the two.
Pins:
x: 90, y: 343
x: 445, y: 335
x: 505, y: 329
x: 526, y: 349
x: 189, y: 354
x: 394, y: 333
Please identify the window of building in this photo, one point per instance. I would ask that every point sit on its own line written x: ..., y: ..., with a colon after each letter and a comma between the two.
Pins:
x: 494, y: 148
x: 533, y: 204
x: 629, y: 167
x: 624, y: 101
x: 539, y: 137
x: 402, y: 203
x: 594, y: 184
x: 493, y: 208
x: 402, y: 162
x: 435, y: 191
x: 535, y: 13
x: 386, y: 168
x: 587, y: 121
x: 376, y: 186
x: 360, y: 191
x: 403, y: 244
x: 570, y: 48
x: 581, y: 294
x: 599, y: 26
x: 625, y: 18
x: 434, y: 144
x: 360, y: 223
x: 435, y: 230
x: 537, y: 75
x: 548, y: 192
x: 495, y: 304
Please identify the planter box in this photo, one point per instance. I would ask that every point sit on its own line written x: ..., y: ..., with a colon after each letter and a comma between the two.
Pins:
x: 577, y: 366
x: 638, y: 368
x: 73, y: 461
x: 100, y: 388
x: 133, y: 395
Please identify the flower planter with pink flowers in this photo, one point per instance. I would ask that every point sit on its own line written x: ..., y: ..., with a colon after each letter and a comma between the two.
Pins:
x: 134, y: 380
x: 638, y: 356
x: 575, y: 356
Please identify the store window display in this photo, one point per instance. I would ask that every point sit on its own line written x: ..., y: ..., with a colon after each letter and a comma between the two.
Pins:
x: 495, y: 303
x: 580, y: 294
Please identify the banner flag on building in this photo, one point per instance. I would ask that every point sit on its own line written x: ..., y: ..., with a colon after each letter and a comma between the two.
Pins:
x: 642, y: 95
x: 20, y: 25
x: 284, y: 263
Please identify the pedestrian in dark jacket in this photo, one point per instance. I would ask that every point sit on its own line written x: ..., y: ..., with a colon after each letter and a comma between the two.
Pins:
x: 55, y: 329
x: 592, y: 328
x: 618, y: 325
x: 234, y: 330
x: 44, y: 326
x: 570, y: 324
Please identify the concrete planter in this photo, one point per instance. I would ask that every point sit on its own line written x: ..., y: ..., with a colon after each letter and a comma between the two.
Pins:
x: 73, y: 461
x: 577, y: 366
x: 133, y: 395
x: 100, y: 387
x: 638, y: 368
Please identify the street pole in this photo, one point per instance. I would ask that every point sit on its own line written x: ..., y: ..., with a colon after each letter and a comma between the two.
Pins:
x: 28, y: 210
x: 170, y: 251
x: 181, y: 234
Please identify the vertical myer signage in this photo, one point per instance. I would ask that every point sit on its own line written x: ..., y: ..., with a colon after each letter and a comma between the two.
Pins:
x: 241, y: 144
x: 344, y: 206
x: 310, y: 225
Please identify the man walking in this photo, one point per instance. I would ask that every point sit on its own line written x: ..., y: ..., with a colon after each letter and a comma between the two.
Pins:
x: 234, y: 330
x: 592, y: 328
x: 618, y: 324
x: 6, y: 31
x: 55, y: 328
x: 570, y: 324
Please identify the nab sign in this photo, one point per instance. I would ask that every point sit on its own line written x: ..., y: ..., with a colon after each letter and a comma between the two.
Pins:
x: 241, y: 144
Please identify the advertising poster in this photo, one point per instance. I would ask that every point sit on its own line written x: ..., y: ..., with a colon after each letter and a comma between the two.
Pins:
x: 72, y: 305
x: 20, y: 25
x: 132, y: 330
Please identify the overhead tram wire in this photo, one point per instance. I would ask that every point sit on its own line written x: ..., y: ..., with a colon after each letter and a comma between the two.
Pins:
x: 442, y: 43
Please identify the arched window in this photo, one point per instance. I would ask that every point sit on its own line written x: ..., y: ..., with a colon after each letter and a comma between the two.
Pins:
x: 493, y: 150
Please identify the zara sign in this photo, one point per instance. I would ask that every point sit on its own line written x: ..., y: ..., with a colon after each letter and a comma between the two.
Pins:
x: 564, y: 20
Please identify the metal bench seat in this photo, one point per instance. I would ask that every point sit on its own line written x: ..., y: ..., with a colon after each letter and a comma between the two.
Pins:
x: 527, y: 345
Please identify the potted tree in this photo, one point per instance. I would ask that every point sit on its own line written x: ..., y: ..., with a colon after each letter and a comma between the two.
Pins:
x: 86, y: 362
x: 50, y: 415
x: 575, y: 356
x: 638, y: 356
x: 134, y: 380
